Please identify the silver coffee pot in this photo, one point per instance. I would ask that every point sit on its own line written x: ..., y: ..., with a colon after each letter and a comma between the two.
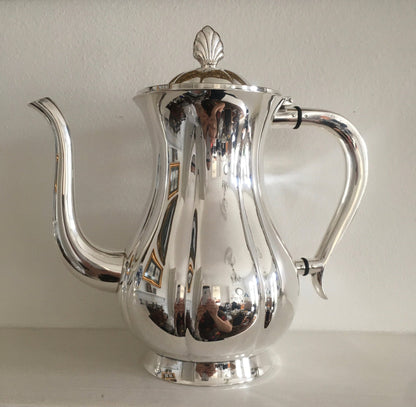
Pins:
x: 207, y: 284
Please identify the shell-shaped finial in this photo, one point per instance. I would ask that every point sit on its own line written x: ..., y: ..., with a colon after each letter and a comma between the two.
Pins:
x: 208, y: 47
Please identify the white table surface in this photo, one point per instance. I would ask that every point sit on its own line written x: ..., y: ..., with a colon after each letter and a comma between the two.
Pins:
x: 102, y: 367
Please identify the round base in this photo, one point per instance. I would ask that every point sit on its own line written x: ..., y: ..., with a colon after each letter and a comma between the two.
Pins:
x: 236, y: 371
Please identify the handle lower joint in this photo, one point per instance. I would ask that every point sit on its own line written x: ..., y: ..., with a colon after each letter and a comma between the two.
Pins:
x: 315, y: 269
x: 299, y: 120
x: 306, y: 267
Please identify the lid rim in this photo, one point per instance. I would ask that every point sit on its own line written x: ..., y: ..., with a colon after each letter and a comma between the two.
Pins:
x: 206, y: 86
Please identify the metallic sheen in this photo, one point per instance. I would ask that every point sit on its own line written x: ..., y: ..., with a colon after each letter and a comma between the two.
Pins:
x: 355, y: 153
x: 95, y: 266
x: 208, y: 48
x: 207, y: 283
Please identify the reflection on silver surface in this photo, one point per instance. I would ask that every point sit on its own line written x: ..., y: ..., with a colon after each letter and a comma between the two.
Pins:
x: 207, y: 253
x: 231, y: 372
x: 207, y: 283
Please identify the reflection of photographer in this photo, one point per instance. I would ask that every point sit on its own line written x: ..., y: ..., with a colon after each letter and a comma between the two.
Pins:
x: 211, y: 322
x: 159, y: 317
x: 205, y: 370
x: 179, y: 317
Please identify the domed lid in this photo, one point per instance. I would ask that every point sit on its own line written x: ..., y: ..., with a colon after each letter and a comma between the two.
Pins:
x: 208, y: 50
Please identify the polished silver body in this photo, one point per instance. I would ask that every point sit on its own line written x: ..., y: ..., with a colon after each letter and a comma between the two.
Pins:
x: 207, y: 284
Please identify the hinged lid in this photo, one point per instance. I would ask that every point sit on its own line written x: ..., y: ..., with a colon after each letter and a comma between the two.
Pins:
x: 208, y: 50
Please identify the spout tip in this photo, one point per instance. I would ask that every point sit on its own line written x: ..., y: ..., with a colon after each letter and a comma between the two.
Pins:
x: 39, y: 102
x: 46, y: 106
x: 50, y: 110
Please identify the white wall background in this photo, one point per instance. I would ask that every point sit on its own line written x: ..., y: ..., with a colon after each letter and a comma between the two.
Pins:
x: 357, y: 58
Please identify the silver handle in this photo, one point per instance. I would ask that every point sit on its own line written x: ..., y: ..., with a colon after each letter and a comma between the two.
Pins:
x: 356, y: 179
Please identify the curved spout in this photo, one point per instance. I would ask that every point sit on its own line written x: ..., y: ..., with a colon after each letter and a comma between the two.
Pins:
x: 95, y: 266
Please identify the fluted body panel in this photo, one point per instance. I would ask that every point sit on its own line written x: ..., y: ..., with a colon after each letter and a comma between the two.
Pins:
x: 208, y: 266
